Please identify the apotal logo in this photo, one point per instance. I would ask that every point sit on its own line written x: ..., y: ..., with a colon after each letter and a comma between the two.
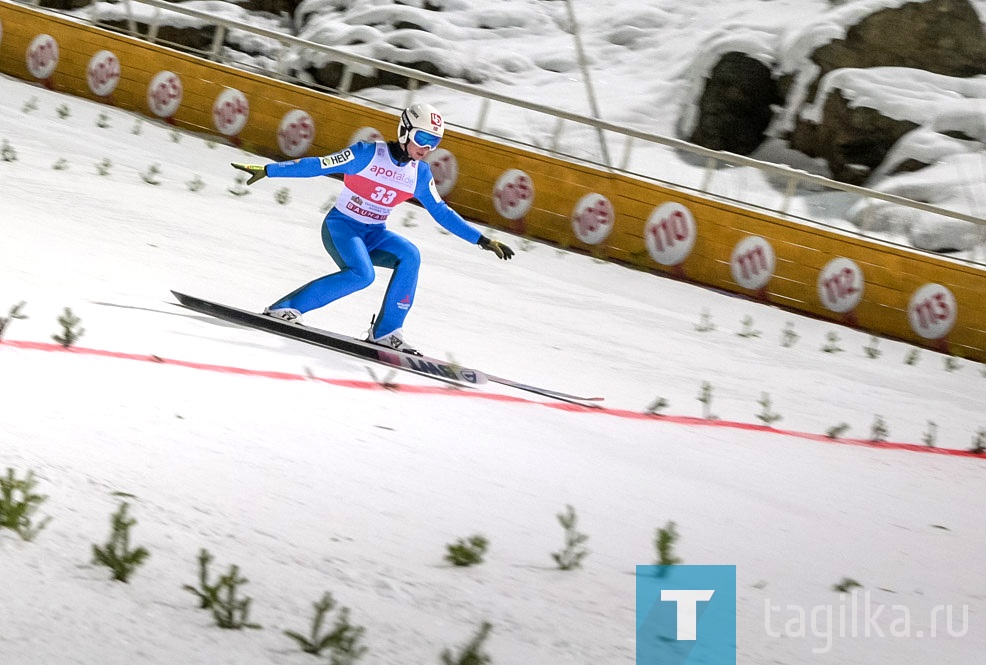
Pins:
x: 391, y: 174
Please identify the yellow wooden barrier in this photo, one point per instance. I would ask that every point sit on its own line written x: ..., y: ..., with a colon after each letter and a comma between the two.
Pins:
x: 887, y: 290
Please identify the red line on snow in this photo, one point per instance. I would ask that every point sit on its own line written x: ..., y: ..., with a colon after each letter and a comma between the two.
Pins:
x: 446, y: 390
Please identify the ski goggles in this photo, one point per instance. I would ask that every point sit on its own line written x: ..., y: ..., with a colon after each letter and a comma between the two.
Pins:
x: 424, y: 139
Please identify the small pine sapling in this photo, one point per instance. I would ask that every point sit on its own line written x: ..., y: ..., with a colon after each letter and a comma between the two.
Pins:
x: 979, y: 443
x: 138, y: 128
x: 329, y: 204
x: 239, y: 185
x: 175, y: 136
x: 103, y: 167
x: 705, y: 397
x: 410, y: 220
x: 386, y: 381
x: 846, y: 585
x: 343, y: 641
x: 7, y: 152
x: 60, y: 165
x: 103, y: 120
x: 570, y: 557
x: 231, y: 612
x: 467, y: 551
x: 116, y: 554
x: 766, y: 416
x: 879, y: 431
x: 837, y: 431
x: 872, y: 351
x: 207, y: 593
x: 664, y: 542
x: 931, y: 435
x: 657, y: 406
x: 912, y: 357
x: 788, y: 337
x: 832, y: 343
x: 71, y: 332
x: 13, y: 313
x: 747, y: 330
x: 952, y: 364
x: 472, y: 653
x: 196, y: 184
x: 283, y: 196
x: 705, y: 322
x: 18, y: 503
x: 30, y: 105
x: 63, y: 111
x: 526, y: 245
x: 150, y: 175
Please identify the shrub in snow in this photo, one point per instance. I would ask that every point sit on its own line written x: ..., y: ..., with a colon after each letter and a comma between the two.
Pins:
x: 103, y: 121
x: 766, y: 416
x: 573, y: 553
x: 206, y: 592
x: 63, y: 111
x: 150, y: 175
x: 60, y: 165
x: 837, y: 431
x: 747, y: 330
x: 467, y: 552
x: 872, y: 351
x: 103, y: 167
x: 18, y: 503
x: 664, y: 542
x: 832, y: 343
x: 116, y: 554
x: 911, y: 357
x: 342, y: 642
x: 472, y: 653
x: 930, y: 436
x: 846, y: 585
x: 239, y: 186
x: 7, y: 152
x: 195, y: 184
x: 705, y: 397
x: 229, y: 611
x: 788, y: 336
x: 705, y: 322
x: 657, y: 406
x: 952, y: 363
x: 879, y: 431
x: 71, y: 332
x: 979, y: 443
x: 175, y: 136
x: 30, y: 105
x: 13, y: 313
x: 283, y: 196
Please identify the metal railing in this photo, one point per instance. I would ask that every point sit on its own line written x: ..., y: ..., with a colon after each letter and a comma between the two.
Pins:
x: 723, y: 175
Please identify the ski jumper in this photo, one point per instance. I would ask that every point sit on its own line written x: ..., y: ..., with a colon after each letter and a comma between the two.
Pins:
x: 355, y: 232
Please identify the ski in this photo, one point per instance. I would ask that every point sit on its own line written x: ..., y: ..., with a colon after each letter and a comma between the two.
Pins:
x: 547, y: 392
x: 432, y: 368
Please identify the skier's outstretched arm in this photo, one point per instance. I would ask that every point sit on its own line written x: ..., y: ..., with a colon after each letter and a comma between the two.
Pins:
x: 348, y: 160
x: 427, y: 193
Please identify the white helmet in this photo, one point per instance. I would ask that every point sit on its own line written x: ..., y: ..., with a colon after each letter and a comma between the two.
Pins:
x: 422, y: 124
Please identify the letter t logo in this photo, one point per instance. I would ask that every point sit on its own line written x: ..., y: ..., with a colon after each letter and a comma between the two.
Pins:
x: 687, y: 614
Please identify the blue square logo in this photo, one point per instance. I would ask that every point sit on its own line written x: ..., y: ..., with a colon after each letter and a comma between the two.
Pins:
x: 686, y: 615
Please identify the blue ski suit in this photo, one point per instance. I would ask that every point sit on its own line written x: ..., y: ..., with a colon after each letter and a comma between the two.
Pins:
x: 355, y: 232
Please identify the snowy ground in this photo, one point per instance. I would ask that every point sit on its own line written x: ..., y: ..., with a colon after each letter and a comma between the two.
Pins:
x: 288, y: 461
